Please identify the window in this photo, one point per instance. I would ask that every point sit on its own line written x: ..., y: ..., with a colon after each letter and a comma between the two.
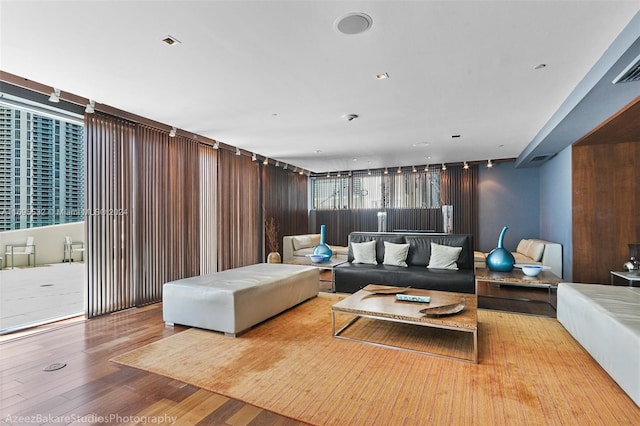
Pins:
x: 361, y: 190
x: 42, y: 138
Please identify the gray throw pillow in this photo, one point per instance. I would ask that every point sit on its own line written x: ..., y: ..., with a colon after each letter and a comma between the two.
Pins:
x: 444, y: 257
x: 364, y: 252
x: 395, y: 254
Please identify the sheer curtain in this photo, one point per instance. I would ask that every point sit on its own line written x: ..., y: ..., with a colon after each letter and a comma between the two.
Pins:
x: 142, y: 199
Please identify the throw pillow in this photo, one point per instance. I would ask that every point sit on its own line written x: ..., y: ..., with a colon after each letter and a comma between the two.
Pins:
x: 301, y: 242
x: 444, y: 257
x: 395, y: 254
x: 364, y: 252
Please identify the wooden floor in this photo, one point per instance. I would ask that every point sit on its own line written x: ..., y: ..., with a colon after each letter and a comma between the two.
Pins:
x: 91, y: 389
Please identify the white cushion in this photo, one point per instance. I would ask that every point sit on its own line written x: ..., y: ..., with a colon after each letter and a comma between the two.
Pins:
x: 302, y: 241
x: 444, y: 257
x: 364, y: 252
x: 395, y: 254
x: 523, y: 247
x: 536, y: 248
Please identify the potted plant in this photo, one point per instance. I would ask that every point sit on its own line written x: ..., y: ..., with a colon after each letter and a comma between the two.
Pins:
x: 271, y: 234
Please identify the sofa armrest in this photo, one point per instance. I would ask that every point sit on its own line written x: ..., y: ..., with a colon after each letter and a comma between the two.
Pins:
x: 552, y: 257
x: 287, y: 248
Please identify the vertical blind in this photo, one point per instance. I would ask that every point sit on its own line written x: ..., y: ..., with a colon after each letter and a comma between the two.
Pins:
x: 239, y: 229
x: 208, y: 214
x: 142, y: 193
x: 109, y: 203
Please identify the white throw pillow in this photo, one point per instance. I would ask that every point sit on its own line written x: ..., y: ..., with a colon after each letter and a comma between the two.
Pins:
x: 364, y: 252
x: 444, y: 257
x: 395, y: 254
x: 301, y: 242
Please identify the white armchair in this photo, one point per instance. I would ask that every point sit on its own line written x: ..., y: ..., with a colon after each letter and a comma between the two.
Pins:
x: 70, y: 247
x: 28, y: 249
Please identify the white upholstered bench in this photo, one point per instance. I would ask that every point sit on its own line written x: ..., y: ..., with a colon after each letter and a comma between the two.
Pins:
x: 235, y: 300
x: 605, y: 320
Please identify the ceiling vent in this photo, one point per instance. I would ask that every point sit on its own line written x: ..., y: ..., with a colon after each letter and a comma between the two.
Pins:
x: 542, y: 158
x: 631, y: 73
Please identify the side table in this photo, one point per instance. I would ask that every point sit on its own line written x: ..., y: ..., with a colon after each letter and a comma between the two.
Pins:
x: 625, y: 279
x: 327, y: 266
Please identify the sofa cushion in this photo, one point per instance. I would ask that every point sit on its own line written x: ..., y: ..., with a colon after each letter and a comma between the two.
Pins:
x: 395, y: 254
x: 521, y: 258
x: 444, y: 257
x: 523, y: 247
x: 364, y: 252
x: 302, y: 241
x: 536, y: 249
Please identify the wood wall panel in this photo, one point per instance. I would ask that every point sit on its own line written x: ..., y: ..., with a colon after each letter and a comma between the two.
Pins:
x: 606, y: 208
x: 285, y: 198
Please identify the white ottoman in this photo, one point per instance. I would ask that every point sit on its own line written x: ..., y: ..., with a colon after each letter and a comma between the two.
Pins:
x: 234, y: 300
x: 605, y: 320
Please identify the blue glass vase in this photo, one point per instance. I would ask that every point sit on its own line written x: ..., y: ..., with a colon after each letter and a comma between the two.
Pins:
x: 323, y: 248
x: 500, y: 259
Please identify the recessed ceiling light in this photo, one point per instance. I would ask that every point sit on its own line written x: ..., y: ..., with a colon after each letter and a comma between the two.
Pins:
x: 350, y: 117
x: 421, y: 144
x: 539, y: 66
x: 354, y: 23
x: 170, y: 40
x: 455, y: 136
x: 382, y: 76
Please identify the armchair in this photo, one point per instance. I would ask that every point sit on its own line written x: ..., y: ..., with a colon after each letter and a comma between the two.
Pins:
x: 70, y: 247
x: 28, y: 249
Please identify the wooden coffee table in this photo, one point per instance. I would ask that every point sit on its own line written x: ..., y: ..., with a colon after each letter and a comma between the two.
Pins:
x: 365, y: 304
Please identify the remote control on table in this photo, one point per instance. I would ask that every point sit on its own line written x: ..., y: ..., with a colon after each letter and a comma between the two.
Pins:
x: 410, y: 298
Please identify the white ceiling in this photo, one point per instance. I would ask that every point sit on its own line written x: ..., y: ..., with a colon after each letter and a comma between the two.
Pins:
x: 275, y: 77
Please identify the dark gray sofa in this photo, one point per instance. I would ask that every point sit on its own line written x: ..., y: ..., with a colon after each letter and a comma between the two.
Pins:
x: 351, y: 277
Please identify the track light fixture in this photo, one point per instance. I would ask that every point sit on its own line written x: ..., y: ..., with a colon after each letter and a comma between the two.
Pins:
x: 413, y: 169
x: 277, y: 164
x: 466, y: 165
x: 301, y: 172
x: 369, y: 172
x: 55, y: 95
x: 237, y: 151
x: 216, y: 145
x: 91, y: 107
x: 285, y: 167
x: 265, y: 161
x: 386, y: 172
x: 172, y: 132
x: 489, y: 164
x: 253, y: 157
x: 444, y: 166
